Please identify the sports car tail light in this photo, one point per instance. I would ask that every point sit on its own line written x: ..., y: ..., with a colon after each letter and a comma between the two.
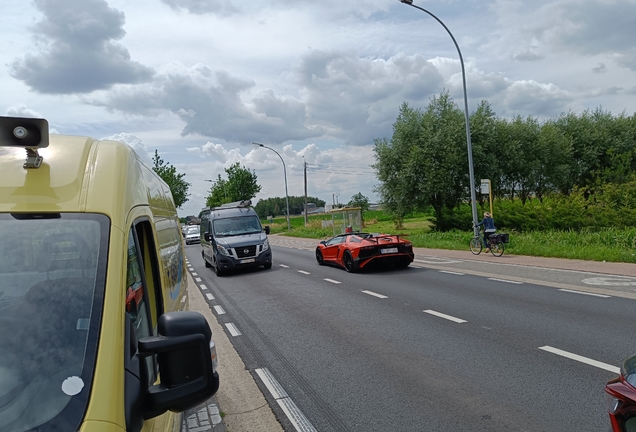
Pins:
x: 367, y: 251
x: 621, y: 405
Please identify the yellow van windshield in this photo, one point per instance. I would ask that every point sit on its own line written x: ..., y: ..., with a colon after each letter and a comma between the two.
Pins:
x: 52, y: 271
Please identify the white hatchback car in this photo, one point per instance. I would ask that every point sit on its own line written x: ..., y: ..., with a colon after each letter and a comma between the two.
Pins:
x: 192, y: 234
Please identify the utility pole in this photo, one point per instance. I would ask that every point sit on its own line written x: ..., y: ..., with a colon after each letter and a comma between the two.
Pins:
x: 305, y: 163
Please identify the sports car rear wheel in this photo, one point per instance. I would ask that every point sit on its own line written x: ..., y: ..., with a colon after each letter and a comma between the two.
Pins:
x: 319, y: 257
x: 347, y: 260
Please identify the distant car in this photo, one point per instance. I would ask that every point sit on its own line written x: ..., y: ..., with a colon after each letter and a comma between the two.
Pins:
x: 192, y: 234
x: 355, y: 251
x: 621, y: 398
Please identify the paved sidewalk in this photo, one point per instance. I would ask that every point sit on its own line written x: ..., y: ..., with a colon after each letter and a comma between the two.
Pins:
x: 205, y: 417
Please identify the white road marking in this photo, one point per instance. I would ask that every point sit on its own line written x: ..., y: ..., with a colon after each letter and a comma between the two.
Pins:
x: 183, y: 299
x: 581, y: 359
x: 303, y: 272
x: 283, y: 265
x: 506, y: 281
x: 332, y: 281
x: 209, y: 296
x: 448, y: 317
x: 295, y: 416
x: 203, y: 287
x: 585, y: 293
x: 434, y: 260
x: 195, y: 274
x: 452, y: 272
x: 374, y: 294
x: 219, y: 310
x: 610, y: 281
x: 197, y: 279
x: 234, y: 331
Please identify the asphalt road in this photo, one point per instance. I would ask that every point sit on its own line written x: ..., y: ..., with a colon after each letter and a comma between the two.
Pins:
x: 422, y: 349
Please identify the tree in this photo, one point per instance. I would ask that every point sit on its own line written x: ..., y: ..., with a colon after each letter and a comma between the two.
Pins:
x: 178, y: 186
x: 424, y: 164
x: 240, y: 185
x: 359, y: 200
x: 391, y: 159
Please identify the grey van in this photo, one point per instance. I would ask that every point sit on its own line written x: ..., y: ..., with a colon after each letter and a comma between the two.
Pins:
x: 233, y: 238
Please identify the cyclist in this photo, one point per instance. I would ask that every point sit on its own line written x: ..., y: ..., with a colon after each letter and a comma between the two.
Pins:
x: 489, y: 228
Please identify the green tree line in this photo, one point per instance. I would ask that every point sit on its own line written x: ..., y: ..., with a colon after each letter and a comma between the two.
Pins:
x: 278, y: 206
x: 587, y: 160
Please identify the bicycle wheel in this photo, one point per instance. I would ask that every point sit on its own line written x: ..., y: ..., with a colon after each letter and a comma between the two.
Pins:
x: 475, y: 245
x: 497, y: 249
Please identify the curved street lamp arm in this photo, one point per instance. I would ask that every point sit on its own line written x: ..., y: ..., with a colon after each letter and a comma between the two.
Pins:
x: 468, y: 141
x: 285, y: 173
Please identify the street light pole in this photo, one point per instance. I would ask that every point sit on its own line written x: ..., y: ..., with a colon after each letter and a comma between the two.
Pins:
x: 285, y: 172
x: 473, y: 197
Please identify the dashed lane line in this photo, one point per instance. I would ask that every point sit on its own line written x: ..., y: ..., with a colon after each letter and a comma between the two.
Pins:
x: 303, y: 272
x: 506, y: 281
x: 234, y: 331
x: 448, y: 317
x: 203, y: 287
x: 209, y: 296
x: 581, y: 359
x: 452, y: 272
x: 219, y: 310
x: 332, y: 281
x: 374, y: 294
x: 585, y: 293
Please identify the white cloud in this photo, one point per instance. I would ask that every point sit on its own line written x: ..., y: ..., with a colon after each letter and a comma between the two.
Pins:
x: 136, y: 144
x: 77, y: 50
x: 21, y: 110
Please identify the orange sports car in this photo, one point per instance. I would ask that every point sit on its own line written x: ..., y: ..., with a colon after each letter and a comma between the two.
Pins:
x: 355, y: 251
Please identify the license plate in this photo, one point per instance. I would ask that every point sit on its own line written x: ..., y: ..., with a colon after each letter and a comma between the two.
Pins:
x: 389, y: 250
x: 250, y: 260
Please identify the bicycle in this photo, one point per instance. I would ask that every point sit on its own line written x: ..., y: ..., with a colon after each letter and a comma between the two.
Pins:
x: 495, y: 244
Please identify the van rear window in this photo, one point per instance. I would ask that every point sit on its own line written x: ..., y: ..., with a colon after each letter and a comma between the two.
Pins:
x: 52, y: 275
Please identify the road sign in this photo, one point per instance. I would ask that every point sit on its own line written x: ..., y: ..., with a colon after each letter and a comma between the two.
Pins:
x: 485, y: 186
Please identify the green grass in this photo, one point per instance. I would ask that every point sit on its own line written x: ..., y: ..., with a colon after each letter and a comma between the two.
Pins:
x: 611, y: 244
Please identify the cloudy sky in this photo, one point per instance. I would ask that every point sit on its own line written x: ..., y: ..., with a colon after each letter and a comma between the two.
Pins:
x: 200, y: 80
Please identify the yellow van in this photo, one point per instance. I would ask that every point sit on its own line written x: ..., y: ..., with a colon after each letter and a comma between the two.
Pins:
x: 94, y: 329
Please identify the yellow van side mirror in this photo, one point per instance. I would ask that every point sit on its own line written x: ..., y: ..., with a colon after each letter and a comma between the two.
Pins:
x: 186, y: 365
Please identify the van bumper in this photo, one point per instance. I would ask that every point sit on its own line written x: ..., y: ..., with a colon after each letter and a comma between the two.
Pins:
x: 231, y: 263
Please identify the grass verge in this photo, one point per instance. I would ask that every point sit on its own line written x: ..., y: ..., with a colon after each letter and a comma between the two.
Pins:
x: 611, y: 244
